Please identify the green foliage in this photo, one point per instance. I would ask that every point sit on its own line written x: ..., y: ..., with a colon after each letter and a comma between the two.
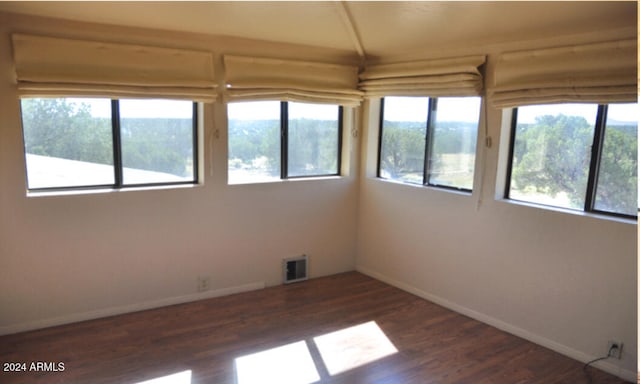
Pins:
x: 403, y: 147
x: 63, y: 129
x: 453, y: 154
x: 57, y: 128
x: 251, y: 140
x: 552, y: 156
x: 455, y: 137
x: 313, y: 145
x: 162, y: 145
x: 402, y: 151
x: 618, y: 178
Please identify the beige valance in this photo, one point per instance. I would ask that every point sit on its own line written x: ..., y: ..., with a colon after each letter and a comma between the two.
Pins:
x: 47, y: 66
x: 442, y: 77
x: 597, y: 73
x: 250, y: 78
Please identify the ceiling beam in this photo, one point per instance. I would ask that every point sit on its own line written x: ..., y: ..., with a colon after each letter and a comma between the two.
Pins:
x: 347, y: 19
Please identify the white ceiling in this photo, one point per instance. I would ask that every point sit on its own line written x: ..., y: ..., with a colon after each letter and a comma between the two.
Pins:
x: 380, y: 29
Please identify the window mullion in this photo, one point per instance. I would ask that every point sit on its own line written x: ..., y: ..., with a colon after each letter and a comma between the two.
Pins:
x: 340, y: 130
x: 380, y: 136
x: 512, y: 145
x: 428, y: 143
x: 117, y: 143
x: 196, y: 156
x: 284, y: 140
x: 596, y: 152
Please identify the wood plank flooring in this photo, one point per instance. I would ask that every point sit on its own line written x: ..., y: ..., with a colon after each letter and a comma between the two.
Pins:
x: 434, y: 345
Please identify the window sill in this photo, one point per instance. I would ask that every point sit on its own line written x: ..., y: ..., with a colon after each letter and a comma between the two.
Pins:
x: 454, y: 191
x: 593, y: 215
x: 279, y: 181
x: 92, y: 191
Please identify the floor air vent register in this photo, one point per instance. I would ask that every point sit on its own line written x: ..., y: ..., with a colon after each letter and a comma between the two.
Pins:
x: 295, y: 269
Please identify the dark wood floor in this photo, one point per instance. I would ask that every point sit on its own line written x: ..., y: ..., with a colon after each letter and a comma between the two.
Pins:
x: 434, y: 344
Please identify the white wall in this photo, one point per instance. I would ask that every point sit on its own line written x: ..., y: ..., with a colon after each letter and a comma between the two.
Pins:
x: 565, y: 280
x: 66, y: 258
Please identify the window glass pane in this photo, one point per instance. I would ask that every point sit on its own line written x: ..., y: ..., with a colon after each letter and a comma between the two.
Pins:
x: 453, y: 147
x: 157, y: 141
x: 254, y: 141
x: 551, y: 154
x: 617, y: 188
x: 68, y: 142
x: 313, y: 139
x: 403, y: 138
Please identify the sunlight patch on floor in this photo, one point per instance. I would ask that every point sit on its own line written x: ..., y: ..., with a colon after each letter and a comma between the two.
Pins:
x: 289, y: 364
x: 353, y: 347
x: 183, y: 377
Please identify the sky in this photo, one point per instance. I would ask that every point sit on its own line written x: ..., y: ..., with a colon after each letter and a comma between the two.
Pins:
x: 527, y: 115
x: 465, y: 109
x: 624, y: 112
x: 259, y: 110
x: 270, y: 110
x: 255, y: 110
x: 618, y: 112
x: 141, y: 108
x: 396, y: 109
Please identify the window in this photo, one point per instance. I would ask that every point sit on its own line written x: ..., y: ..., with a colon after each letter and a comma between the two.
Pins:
x: 254, y: 141
x: 576, y: 156
x: 430, y: 141
x: 272, y: 140
x: 80, y: 143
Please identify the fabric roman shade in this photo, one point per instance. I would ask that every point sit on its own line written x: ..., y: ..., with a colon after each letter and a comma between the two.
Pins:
x: 598, y: 73
x: 47, y: 66
x: 443, y: 77
x: 252, y: 79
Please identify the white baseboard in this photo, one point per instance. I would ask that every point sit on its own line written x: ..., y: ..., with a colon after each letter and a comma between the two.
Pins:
x: 99, y: 313
x: 509, y: 328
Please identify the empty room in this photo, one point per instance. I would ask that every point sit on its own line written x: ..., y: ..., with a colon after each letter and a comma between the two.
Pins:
x: 319, y: 192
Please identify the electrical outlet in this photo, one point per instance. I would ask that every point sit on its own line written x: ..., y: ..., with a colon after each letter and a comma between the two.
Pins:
x: 203, y: 283
x: 614, y: 349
